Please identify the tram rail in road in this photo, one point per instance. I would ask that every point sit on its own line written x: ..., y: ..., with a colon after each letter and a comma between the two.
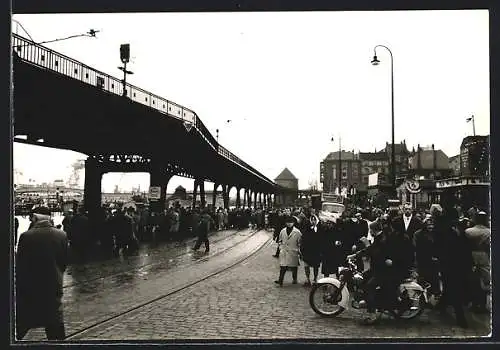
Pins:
x: 136, y: 268
x: 265, y: 242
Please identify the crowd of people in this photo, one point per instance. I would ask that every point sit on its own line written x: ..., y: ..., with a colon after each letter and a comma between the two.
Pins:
x: 119, y: 230
x: 444, y: 247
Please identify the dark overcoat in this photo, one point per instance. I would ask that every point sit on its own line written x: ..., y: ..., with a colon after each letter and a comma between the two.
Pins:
x: 311, y: 246
x: 41, y: 260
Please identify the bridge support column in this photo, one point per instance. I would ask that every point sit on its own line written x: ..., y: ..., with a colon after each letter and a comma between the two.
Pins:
x: 260, y: 199
x: 92, y: 196
x: 195, y: 193
x: 202, y: 194
x: 160, y: 178
x: 214, y: 194
x: 245, y: 198
x: 249, y: 194
x: 238, y: 198
x: 225, y: 195
x: 199, y: 183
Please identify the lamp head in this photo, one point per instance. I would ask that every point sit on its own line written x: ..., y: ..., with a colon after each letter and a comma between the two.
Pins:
x: 375, y: 61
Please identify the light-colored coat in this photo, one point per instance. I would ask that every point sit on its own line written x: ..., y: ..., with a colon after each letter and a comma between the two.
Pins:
x: 289, y: 247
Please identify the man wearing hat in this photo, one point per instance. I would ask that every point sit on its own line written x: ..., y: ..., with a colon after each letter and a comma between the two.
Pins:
x: 41, y: 260
x: 289, y: 242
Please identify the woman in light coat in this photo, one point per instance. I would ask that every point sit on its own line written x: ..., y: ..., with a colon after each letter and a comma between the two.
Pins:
x: 289, y: 244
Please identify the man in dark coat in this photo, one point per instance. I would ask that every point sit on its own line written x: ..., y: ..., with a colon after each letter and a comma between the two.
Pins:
x: 455, y: 262
x: 203, y: 228
x: 79, y: 234
x: 332, y: 254
x: 40, y: 264
x: 407, y: 223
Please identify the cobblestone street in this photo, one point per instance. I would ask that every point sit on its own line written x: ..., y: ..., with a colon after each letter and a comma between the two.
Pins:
x: 244, y: 303
x: 91, y: 302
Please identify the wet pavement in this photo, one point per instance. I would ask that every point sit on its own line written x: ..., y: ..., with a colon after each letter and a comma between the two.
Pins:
x: 140, y: 279
x: 149, y: 253
x: 244, y: 303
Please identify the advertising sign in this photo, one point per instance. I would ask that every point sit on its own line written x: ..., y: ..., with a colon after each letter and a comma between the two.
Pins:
x: 154, y: 192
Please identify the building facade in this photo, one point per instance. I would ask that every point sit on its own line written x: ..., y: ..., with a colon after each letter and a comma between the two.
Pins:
x: 454, y: 164
x: 371, y: 163
x: 331, y: 175
x: 380, y: 163
x: 429, y: 163
x: 474, y: 156
x: 287, y: 180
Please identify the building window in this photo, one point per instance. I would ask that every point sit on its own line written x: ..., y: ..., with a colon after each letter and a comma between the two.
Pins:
x: 355, y: 172
x: 344, y: 172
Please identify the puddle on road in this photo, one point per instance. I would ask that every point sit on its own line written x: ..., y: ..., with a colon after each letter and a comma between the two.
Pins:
x: 128, y: 272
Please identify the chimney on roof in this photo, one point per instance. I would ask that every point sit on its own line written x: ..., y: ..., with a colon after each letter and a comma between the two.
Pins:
x: 434, y: 158
x: 419, y: 160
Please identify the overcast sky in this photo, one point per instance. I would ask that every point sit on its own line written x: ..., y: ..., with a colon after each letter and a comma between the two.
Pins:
x: 288, y: 81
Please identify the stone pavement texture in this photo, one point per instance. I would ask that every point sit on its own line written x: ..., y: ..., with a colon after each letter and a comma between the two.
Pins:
x: 149, y: 253
x: 90, y: 302
x: 244, y: 303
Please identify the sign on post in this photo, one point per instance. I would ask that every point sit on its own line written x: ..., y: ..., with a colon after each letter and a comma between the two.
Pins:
x: 154, y: 192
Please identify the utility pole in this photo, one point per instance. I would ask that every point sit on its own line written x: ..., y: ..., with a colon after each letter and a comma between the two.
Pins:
x: 340, y: 165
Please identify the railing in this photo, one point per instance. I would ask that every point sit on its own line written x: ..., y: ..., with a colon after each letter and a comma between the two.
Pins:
x: 44, y: 57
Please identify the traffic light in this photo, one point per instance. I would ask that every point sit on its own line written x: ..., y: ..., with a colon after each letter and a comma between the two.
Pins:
x: 125, y: 52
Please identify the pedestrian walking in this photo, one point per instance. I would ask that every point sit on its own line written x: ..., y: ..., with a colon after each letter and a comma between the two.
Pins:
x: 289, y: 242
x: 203, y: 227
x: 310, y: 250
x: 41, y: 260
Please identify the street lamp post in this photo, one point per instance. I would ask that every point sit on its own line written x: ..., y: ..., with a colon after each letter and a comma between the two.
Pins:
x: 125, y: 57
x: 375, y: 62
x: 340, y: 167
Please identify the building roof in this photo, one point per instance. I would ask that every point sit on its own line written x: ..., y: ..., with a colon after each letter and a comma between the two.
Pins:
x: 285, y: 175
x: 368, y: 156
x: 335, y: 155
x: 398, y: 147
x: 474, y: 139
x: 427, y: 160
x: 454, y: 158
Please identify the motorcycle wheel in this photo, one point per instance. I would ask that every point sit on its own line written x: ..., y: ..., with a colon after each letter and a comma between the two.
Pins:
x: 411, y: 314
x: 321, y: 294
